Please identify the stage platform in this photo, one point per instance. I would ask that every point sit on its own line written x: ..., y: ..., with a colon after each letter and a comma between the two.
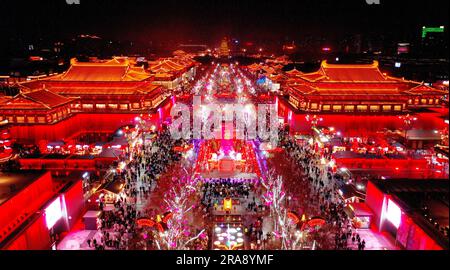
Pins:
x: 227, y: 159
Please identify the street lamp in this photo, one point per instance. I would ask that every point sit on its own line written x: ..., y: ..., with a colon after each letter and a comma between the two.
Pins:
x: 408, y: 121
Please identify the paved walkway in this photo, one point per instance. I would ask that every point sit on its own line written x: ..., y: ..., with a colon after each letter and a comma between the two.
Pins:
x: 374, y: 240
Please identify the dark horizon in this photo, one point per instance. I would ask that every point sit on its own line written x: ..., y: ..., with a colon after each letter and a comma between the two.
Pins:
x: 208, y: 21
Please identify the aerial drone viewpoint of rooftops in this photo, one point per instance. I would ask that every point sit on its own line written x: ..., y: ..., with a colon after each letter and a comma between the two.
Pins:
x: 224, y: 125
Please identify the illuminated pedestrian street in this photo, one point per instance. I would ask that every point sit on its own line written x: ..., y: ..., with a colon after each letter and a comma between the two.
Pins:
x: 260, y: 125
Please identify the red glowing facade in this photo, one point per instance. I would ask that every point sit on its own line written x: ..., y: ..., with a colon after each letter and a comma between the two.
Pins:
x: 25, y: 215
x: 395, y: 216
x: 357, y: 89
x: 40, y: 106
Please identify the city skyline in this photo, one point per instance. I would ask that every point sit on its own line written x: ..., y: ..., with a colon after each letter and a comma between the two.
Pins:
x: 208, y: 22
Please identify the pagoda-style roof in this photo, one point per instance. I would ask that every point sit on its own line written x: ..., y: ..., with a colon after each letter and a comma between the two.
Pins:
x: 166, y: 65
x: 424, y: 89
x: 137, y: 74
x: 185, y: 61
x: 38, y: 99
x: 163, y: 76
x: 268, y: 70
x: 116, y: 69
x: 68, y: 88
x: 278, y: 67
x: 4, y: 98
x: 179, y: 52
x: 347, y: 73
x: 277, y: 77
x: 294, y: 72
x: 254, y: 67
x: 355, y: 79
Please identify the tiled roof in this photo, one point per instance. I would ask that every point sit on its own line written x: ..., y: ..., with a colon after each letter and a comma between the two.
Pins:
x: 294, y: 72
x: 367, y: 79
x: 167, y: 65
x: 112, y: 70
x: 347, y: 73
x: 68, y: 88
x: 39, y: 99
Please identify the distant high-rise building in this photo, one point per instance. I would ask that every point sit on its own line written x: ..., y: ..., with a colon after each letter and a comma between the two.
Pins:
x: 434, y: 41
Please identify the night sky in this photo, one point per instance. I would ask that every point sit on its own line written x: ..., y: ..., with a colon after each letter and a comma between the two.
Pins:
x: 207, y: 21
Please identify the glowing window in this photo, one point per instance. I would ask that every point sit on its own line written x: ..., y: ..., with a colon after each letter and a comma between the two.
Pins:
x: 393, y: 213
x: 349, y: 108
x: 337, y: 107
x: 397, y: 108
x: 53, y: 213
x: 124, y: 106
x: 361, y: 108
x: 88, y: 106
x: 20, y: 119
x: 423, y: 101
x: 374, y: 108
x: 326, y: 107
x: 113, y: 106
x: 100, y: 106
x: 30, y: 119
x: 387, y: 107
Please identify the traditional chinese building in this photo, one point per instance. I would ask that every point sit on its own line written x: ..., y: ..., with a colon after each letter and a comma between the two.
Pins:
x: 171, y: 72
x: 361, y: 88
x: 39, y: 106
x: 111, y: 86
x: 94, y: 97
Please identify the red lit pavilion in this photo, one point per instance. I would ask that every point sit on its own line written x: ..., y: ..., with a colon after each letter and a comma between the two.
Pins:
x: 357, y: 88
x: 112, y: 86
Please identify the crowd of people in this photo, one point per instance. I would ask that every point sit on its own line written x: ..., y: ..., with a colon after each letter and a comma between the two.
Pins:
x: 256, y: 235
x: 144, y: 164
x: 319, y: 188
x: 115, y: 227
x: 226, y: 188
x: 147, y: 163
x: 316, y: 184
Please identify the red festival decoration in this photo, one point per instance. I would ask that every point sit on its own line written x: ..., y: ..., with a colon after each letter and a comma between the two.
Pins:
x: 313, y: 223
x: 295, y: 219
x: 160, y: 224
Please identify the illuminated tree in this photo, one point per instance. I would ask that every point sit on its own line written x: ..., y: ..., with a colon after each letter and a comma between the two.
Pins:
x: 285, y: 228
x: 178, y: 201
